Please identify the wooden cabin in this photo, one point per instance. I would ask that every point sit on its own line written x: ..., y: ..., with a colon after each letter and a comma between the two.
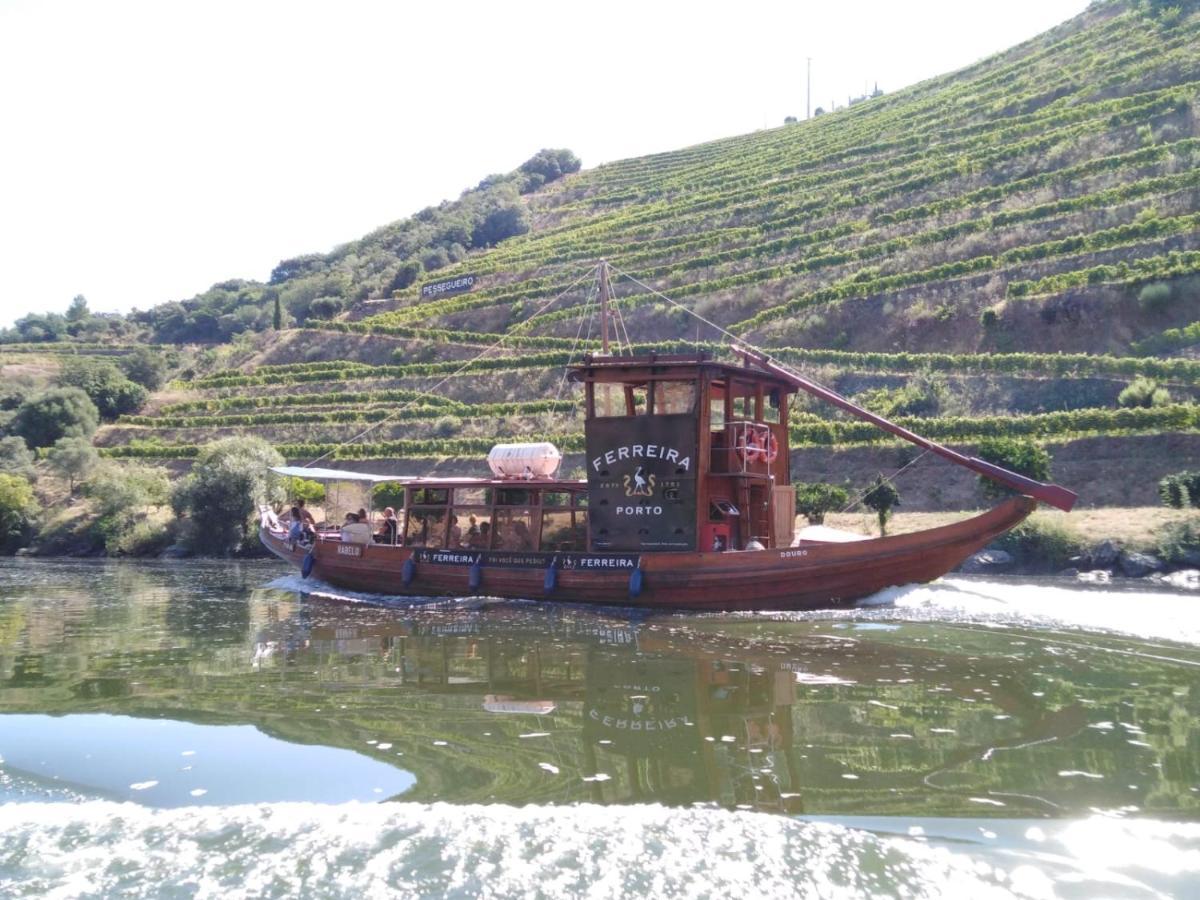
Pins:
x: 684, y: 453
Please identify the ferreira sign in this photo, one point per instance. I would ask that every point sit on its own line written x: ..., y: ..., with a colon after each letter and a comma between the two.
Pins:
x: 642, y: 483
x: 448, y: 288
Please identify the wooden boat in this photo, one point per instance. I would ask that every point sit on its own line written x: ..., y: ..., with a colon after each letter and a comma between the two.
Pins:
x: 687, y: 504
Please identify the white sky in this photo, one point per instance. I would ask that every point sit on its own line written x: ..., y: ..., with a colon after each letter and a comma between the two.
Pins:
x: 149, y: 149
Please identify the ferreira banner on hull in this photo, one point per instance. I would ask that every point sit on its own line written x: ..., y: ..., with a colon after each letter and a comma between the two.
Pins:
x: 532, y: 559
x: 642, y: 483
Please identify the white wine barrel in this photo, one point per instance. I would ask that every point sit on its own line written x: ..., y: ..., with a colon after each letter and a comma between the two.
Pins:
x: 524, y: 460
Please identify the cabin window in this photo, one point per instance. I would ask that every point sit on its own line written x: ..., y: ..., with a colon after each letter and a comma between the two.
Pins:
x: 564, y: 530
x: 474, y: 528
x: 580, y: 498
x: 515, y: 497
x: 771, y: 407
x: 511, y: 529
x: 472, y: 496
x: 673, y: 398
x: 556, y: 498
x: 609, y: 400
x: 637, y: 400
x: 424, y: 496
x: 425, y: 528
x: 716, y: 413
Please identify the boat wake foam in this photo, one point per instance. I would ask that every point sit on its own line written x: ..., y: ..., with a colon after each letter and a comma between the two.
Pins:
x: 105, y: 849
x: 1154, y: 615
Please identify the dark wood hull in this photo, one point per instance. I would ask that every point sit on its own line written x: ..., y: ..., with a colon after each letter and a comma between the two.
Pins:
x: 810, y: 576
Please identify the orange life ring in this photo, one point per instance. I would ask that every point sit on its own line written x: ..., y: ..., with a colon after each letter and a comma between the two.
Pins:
x: 771, y: 453
x: 750, y: 447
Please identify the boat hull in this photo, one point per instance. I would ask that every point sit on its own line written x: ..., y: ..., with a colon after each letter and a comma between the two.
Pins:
x: 809, y: 576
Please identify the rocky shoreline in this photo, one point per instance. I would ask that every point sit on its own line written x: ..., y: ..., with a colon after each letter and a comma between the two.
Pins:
x: 1098, y: 565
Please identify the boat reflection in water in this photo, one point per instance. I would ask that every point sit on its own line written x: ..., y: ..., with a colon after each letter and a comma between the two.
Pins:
x: 514, y: 705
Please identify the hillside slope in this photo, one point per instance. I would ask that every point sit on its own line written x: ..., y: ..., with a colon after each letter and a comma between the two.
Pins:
x: 998, y: 250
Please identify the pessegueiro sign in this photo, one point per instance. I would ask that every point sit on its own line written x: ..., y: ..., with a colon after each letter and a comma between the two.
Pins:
x: 449, y: 287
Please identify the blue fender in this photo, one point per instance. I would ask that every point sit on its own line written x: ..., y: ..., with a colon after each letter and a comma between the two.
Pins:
x: 408, y: 571
x: 550, y: 582
x: 306, y: 566
x: 635, y: 582
x: 475, y: 576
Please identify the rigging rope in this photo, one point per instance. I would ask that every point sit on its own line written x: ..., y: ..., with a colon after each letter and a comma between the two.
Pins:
x: 458, y: 371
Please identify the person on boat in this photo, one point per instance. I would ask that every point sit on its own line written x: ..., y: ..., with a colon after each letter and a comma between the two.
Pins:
x: 455, y: 533
x: 485, y: 535
x: 298, y: 531
x: 521, y: 539
x: 388, y: 528
x: 363, y: 517
x: 305, y: 515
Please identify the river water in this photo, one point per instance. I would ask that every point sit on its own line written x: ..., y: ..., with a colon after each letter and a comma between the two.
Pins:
x: 204, y: 729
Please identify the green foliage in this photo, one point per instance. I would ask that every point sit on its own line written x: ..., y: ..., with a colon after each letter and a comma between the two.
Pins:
x: 921, y: 396
x: 815, y: 499
x: 1179, y: 542
x: 53, y: 414
x: 105, y: 384
x: 1144, y: 392
x: 1023, y: 457
x: 222, y: 493
x: 1041, y: 543
x: 16, y: 458
x: 303, y: 489
x: 72, y: 458
x: 388, y: 493
x: 16, y: 511
x: 1180, y: 489
x: 1154, y: 298
x: 145, y: 367
x: 122, y: 494
x: 883, y: 498
x: 546, y: 166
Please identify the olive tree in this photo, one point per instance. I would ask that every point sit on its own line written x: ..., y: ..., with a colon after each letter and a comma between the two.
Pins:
x: 73, y: 458
x: 882, y: 497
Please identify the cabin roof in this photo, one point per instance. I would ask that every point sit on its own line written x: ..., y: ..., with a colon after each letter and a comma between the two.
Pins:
x: 315, y: 474
x: 634, y: 366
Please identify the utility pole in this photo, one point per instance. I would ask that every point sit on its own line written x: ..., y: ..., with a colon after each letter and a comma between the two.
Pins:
x: 808, y: 88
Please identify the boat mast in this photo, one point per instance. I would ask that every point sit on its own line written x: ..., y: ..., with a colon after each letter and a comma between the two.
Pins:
x: 604, y: 307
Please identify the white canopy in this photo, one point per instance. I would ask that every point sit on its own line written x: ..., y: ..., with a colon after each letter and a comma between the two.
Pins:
x: 316, y: 474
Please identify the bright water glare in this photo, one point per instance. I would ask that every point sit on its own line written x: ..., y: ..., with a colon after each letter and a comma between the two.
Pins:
x: 213, y: 729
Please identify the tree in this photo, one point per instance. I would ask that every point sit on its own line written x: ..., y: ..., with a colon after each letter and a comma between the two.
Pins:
x: 1023, y: 457
x: 78, y: 311
x: 145, y: 367
x: 121, y: 495
x: 230, y: 479
x: 56, y: 413
x: 16, y: 507
x: 815, y: 499
x: 882, y: 497
x: 16, y: 458
x: 277, y: 316
x: 500, y: 223
x: 73, y: 458
x: 105, y: 384
x: 303, y: 489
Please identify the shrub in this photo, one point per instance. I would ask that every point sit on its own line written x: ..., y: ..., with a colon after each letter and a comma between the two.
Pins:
x: 105, y: 385
x: 1180, y: 489
x: 882, y: 497
x: 1023, y: 457
x: 230, y: 479
x: 388, y: 493
x: 1154, y: 297
x: 16, y: 506
x: 1179, y: 542
x: 56, y: 413
x: 145, y: 367
x: 1041, y: 543
x: 446, y: 426
x: 1143, y: 392
x: 16, y: 458
x: 303, y: 489
x: 815, y: 499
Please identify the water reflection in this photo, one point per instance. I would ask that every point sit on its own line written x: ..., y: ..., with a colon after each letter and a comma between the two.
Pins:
x: 823, y: 715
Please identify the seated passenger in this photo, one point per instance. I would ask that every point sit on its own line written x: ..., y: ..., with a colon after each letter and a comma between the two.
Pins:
x: 455, y: 533
x: 297, y: 530
x: 521, y: 539
x: 388, y: 528
x: 485, y: 535
x: 354, y: 531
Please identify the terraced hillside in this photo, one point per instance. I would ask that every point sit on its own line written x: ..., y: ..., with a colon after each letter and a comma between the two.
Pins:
x: 1001, y: 250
